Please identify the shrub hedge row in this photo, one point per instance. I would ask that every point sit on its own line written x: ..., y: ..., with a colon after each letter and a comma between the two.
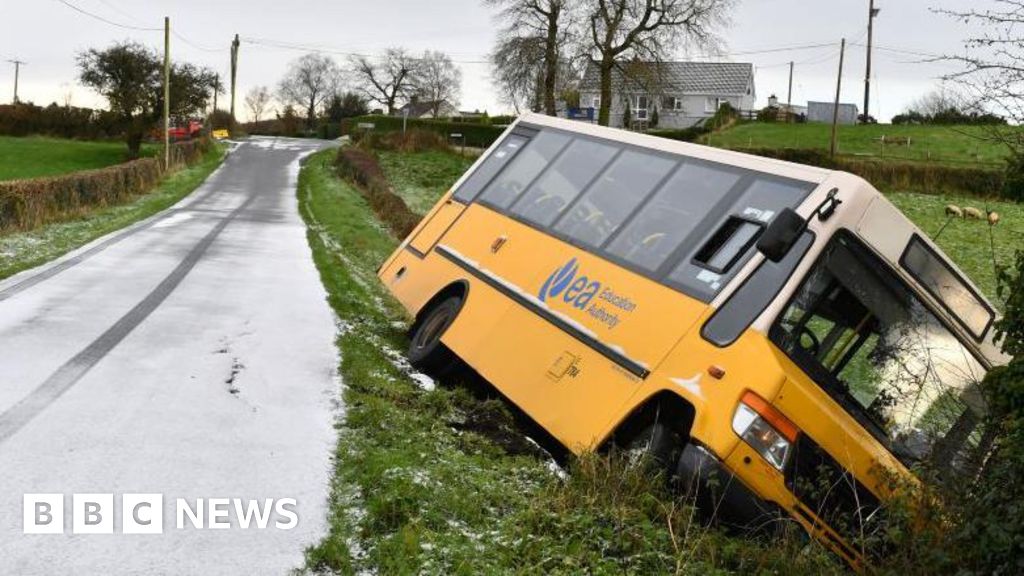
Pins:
x: 361, y: 167
x: 478, y: 135
x: 26, y: 204
x: 917, y: 176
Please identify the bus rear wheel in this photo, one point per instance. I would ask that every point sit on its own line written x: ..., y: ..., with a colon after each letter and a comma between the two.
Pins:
x: 426, y: 351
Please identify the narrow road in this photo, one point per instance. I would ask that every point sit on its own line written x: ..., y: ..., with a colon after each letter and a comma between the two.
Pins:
x: 190, y: 356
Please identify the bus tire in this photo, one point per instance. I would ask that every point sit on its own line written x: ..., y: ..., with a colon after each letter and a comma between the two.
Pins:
x: 426, y: 351
x: 659, y: 446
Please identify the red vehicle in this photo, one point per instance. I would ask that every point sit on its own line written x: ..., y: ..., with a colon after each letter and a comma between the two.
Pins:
x: 181, y: 132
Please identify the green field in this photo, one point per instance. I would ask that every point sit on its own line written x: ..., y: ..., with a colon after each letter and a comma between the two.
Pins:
x: 23, y: 250
x: 967, y: 242
x: 954, y: 145
x: 420, y: 178
x: 34, y: 156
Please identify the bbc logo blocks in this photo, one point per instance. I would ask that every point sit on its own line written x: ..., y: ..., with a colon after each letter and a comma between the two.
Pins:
x: 93, y: 513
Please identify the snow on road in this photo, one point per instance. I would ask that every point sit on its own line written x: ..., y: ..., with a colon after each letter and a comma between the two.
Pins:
x: 190, y: 356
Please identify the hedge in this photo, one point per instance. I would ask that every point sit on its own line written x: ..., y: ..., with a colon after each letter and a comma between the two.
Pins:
x: 478, y: 135
x: 26, y: 204
x: 361, y: 167
x: 918, y: 176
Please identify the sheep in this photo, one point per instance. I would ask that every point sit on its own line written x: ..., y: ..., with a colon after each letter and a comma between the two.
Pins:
x: 993, y: 217
x: 954, y: 210
x: 972, y: 213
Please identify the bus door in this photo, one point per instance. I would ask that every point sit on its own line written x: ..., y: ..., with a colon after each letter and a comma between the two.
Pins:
x: 441, y: 218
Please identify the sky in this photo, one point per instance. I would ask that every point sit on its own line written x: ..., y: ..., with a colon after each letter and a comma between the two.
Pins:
x: 47, y: 34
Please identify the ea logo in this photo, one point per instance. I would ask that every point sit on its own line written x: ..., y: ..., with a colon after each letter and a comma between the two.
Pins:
x: 559, y: 280
x: 578, y: 291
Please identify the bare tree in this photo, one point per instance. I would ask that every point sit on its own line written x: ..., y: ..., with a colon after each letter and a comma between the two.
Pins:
x: 309, y: 81
x: 387, y: 78
x: 646, y: 30
x: 257, y: 100
x: 992, y: 78
x: 437, y: 80
x: 530, y: 47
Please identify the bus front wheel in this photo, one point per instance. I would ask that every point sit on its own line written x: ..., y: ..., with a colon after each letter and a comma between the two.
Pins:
x: 426, y: 351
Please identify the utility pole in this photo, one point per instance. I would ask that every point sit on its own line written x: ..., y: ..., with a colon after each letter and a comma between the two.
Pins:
x: 17, y: 72
x: 789, y: 95
x: 872, y: 12
x: 835, y: 107
x: 234, y: 77
x: 216, y: 89
x: 167, y: 93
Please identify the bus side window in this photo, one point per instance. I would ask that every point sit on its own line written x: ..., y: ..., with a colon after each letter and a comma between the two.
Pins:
x: 672, y: 214
x: 492, y: 165
x: 561, y: 183
x: 760, y: 202
x: 530, y: 162
x: 614, y: 196
x: 754, y: 296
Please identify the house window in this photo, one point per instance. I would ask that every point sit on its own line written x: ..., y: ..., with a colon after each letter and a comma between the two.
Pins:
x: 642, y: 105
x: 712, y: 104
x: 595, y: 102
x: 672, y: 103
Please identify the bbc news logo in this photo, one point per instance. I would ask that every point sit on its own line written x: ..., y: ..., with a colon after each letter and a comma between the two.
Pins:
x: 144, y: 513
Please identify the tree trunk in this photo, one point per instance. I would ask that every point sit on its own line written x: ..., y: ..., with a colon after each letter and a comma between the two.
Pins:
x: 604, y: 112
x: 311, y: 114
x: 551, y: 61
x: 134, y: 141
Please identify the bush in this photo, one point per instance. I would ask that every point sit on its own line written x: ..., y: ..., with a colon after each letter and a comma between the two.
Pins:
x: 25, y: 119
x: 415, y: 140
x: 361, y: 167
x: 479, y: 135
x: 1013, y: 186
x: 691, y: 134
x: 26, y: 204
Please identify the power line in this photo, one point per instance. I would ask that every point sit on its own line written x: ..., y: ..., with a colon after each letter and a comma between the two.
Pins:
x: 322, y: 49
x: 106, y: 20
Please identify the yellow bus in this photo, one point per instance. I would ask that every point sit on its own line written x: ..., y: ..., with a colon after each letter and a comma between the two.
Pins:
x: 775, y: 334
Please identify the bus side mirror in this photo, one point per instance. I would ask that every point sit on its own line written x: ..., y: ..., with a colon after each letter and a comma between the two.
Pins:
x: 781, y: 234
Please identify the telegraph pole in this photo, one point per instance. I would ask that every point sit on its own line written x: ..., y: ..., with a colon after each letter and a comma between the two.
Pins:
x: 835, y: 108
x: 789, y: 95
x: 872, y: 12
x: 234, y: 77
x: 17, y: 72
x: 167, y: 93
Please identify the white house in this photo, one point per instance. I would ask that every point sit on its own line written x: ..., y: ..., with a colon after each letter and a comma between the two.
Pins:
x: 684, y: 93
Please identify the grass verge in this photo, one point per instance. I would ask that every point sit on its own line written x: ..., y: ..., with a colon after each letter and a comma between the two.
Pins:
x: 24, y: 250
x: 420, y: 178
x: 423, y: 482
x: 36, y: 156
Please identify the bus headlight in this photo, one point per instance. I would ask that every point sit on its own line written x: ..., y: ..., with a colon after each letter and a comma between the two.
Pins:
x: 765, y: 429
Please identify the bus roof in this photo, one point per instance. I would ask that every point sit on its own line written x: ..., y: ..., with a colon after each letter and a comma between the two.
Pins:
x: 739, y: 159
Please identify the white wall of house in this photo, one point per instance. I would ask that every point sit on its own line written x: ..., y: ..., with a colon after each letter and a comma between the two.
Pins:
x: 680, y: 111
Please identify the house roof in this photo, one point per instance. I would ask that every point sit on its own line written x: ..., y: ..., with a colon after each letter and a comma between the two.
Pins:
x: 683, y: 77
x: 420, y: 108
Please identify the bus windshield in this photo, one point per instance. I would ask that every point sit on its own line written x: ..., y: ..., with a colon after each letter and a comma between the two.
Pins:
x: 869, y: 341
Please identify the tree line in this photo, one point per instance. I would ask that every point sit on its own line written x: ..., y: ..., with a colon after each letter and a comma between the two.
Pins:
x: 322, y: 88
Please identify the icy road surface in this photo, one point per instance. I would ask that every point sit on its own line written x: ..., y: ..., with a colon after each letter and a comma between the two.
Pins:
x: 190, y: 356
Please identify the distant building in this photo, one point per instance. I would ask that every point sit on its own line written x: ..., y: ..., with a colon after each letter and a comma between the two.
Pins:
x: 822, y: 112
x: 425, y: 109
x: 683, y: 93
